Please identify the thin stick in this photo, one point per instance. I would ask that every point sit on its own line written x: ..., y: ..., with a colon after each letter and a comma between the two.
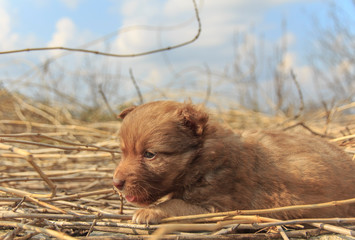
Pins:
x: 58, y: 127
x: 169, y: 228
x: 10, y: 215
x: 19, y: 204
x: 50, y: 232
x: 343, y: 138
x: 29, y: 157
x: 304, y: 221
x: 282, y: 232
x: 335, y: 229
x: 91, y: 227
x: 117, y: 55
x: 107, y: 224
x: 54, y: 173
x: 302, y: 124
x: 113, y: 114
x: 60, y: 155
x: 87, y: 148
x: 40, y: 135
x: 261, y: 211
x: 81, y: 206
x: 35, y: 110
x: 30, y: 197
x: 300, y: 111
x: 57, y: 179
x: 136, y: 87
x: 209, y: 88
x: 80, y: 195
x: 121, y: 198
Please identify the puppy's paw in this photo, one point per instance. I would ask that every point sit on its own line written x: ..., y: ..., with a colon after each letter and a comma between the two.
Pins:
x: 151, y: 215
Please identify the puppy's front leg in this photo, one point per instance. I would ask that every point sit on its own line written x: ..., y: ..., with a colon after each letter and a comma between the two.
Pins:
x: 170, y: 208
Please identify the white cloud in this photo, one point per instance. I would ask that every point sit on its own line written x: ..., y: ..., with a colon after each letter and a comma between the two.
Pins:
x: 65, y: 30
x: 68, y: 35
x: 220, y: 20
x: 8, y: 39
x: 154, y: 77
x: 136, y: 41
x: 71, y: 4
x: 175, y: 9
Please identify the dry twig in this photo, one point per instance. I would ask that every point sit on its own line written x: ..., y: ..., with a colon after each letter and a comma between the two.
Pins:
x: 113, y: 54
x: 85, y: 202
x: 50, y: 232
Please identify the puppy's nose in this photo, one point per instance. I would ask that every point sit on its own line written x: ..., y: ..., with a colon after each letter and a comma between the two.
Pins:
x: 118, y: 183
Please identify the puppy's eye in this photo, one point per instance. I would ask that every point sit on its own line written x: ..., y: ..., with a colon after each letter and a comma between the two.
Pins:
x: 149, y: 155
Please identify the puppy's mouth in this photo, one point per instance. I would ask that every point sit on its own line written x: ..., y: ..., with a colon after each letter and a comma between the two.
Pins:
x: 131, y: 198
x: 137, y: 200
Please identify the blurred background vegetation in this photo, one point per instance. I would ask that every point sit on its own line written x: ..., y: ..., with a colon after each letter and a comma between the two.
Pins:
x: 93, y: 87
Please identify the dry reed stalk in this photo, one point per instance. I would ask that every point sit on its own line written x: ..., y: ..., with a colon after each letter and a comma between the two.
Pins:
x: 86, y: 148
x: 50, y: 232
x: 85, y: 200
x: 334, y: 229
x: 81, y: 206
x: 109, y: 224
x: 28, y: 156
x: 170, y: 228
x: 35, y: 110
x: 282, y: 233
x: 80, y: 195
x: 343, y: 138
x: 54, y: 173
x: 259, y: 211
x: 121, y: 198
x: 211, y: 227
x: 40, y: 135
x: 305, y: 221
x: 303, y: 234
x: 60, y: 155
x: 66, y: 128
x: 256, y: 223
x: 71, y: 217
x: 30, y: 197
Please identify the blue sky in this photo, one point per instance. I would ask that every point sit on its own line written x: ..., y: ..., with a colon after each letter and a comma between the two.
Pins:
x: 72, y: 23
x: 40, y: 17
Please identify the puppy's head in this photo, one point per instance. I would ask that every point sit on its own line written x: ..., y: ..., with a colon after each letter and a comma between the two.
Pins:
x: 158, y: 140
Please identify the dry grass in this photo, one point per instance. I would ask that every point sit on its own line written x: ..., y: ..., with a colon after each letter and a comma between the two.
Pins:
x: 55, y: 179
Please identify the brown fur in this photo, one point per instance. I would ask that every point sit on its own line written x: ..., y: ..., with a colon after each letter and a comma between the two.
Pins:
x: 207, y: 168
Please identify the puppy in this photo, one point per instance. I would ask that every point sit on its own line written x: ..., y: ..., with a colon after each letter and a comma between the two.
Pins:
x: 174, y: 148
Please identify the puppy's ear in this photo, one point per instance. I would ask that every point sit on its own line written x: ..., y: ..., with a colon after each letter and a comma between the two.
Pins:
x: 124, y: 113
x: 194, y: 118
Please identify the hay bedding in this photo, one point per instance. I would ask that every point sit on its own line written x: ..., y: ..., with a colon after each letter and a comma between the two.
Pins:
x: 55, y: 183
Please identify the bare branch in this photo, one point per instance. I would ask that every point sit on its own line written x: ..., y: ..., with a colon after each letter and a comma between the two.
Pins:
x: 106, y: 102
x: 293, y: 77
x: 141, y: 101
x: 113, y: 54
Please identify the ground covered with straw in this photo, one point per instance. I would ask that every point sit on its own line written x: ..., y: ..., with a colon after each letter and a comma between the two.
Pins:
x: 56, y: 171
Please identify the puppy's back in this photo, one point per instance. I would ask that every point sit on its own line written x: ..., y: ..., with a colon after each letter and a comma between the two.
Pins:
x: 299, y: 169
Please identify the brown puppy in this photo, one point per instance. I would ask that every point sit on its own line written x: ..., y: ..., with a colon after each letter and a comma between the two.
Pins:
x: 173, y: 148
